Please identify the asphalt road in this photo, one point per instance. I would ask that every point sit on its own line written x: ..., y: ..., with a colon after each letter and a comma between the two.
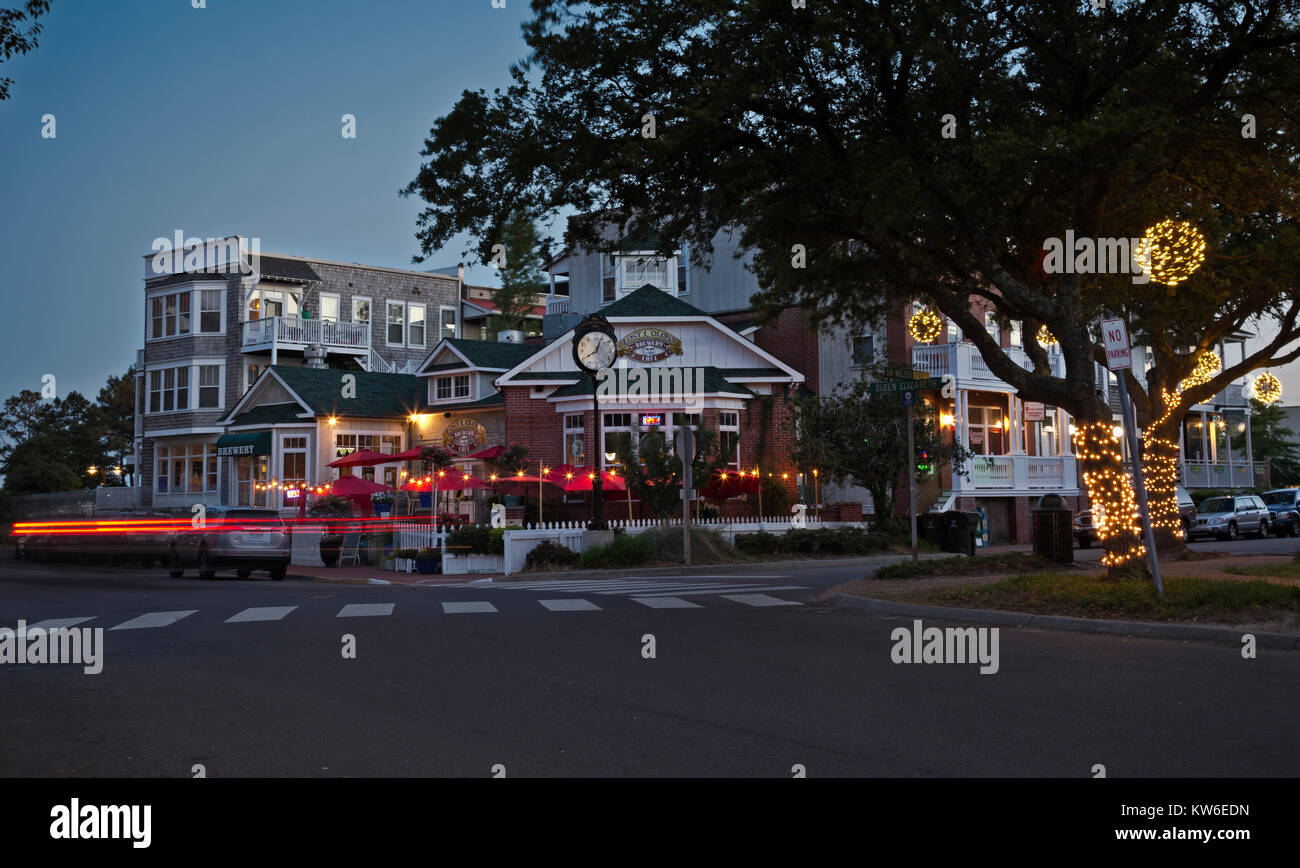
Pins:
x: 747, y: 680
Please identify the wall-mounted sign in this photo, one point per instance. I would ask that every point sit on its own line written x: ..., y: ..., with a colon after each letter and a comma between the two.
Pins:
x: 976, y: 438
x: 652, y: 420
x: 1034, y: 411
x: 649, y: 345
x: 463, y: 436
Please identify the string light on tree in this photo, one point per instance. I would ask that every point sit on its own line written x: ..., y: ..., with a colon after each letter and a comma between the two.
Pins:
x: 1207, y: 365
x: 1109, y: 489
x: 925, y: 326
x: 1045, y: 336
x: 1171, y: 251
x: 1160, y: 468
x: 1268, y: 388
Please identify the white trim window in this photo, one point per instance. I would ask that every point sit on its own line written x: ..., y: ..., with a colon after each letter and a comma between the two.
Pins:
x: 450, y: 323
x: 209, y: 386
x: 329, y: 307
x: 862, y: 350
x: 395, y: 323
x: 608, y: 277
x: 574, y: 439
x: 729, y: 437
x: 684, y: 270
x: 169, y: 389
x: 212, y: 306
x: 992, y: 327
x: 1017, y: 333
x: 190, y: 469
x: 452, y: 388
x: 415, y: 325
x: 618, y: 437
x: 361, y: 309
x: 169, y: 315
x: 293, y: 466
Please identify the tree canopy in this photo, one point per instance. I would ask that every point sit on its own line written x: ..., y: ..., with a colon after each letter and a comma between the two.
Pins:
x: 19, y: 29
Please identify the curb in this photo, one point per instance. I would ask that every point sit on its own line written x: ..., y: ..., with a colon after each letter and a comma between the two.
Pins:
x: 1137, y: 629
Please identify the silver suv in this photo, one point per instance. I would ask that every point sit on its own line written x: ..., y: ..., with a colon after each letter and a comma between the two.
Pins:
x: 1227, y: 517
x: 239, y: 538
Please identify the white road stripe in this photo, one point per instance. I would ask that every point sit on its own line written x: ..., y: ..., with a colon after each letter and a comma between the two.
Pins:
x: 361, y: 610
x: 464, y: 608
x: 698, y: 586
x: 667, y: 603
x: 56, y: 623
x: 570, y: 605
x: 261, y: 613
x: 719, y: 591
x: 760, y: 600
x: 154, y: 619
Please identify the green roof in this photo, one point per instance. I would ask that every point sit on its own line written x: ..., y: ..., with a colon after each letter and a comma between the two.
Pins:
x: 492, y: 354
x: 496, y: 399
x: 268, y: 414
x: 714, y: 381
x: 376, y: 394
x: 650, y: 301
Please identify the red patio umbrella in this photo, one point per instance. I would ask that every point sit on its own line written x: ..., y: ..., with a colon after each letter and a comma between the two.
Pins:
x: 450, y: 482
x: 582, y: 480
x: 363, y: 458
x: 357, y: 489
x: 729, y: 484
x: 489, y: 453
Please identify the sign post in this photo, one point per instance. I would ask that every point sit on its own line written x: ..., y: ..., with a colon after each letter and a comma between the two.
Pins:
x: 908, y: 401
x: 686, y: 451
x: 909, y: 383
x: 1119, y: 358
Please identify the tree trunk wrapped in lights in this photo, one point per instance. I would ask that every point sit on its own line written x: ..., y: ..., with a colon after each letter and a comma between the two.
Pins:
x: 1160, y: 454
x: 1110, y: 490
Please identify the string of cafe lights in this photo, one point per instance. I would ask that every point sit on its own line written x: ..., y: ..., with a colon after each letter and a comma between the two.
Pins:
x: 1114, y: 504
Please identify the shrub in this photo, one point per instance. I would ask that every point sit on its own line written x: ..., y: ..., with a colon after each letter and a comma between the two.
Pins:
x: 550, y: 553
x: 626, y: 550
x: 427, y: 553
x: 475, y: 540
x: 707, y: 546
x: 407, y: 554
x: 823, y: 541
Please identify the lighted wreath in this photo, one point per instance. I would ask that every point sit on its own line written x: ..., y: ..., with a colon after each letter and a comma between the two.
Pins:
x: 1171, y: 251
x: 1268, y: 388
x: 925, y: 326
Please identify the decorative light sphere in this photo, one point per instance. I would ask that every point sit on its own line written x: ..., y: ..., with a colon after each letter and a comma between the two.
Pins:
x: 1171, y: 251
x: 1045, y: 335
x: 925, y: 325
x: 1268, y: 388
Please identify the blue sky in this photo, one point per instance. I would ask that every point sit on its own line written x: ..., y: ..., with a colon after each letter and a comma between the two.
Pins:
x: 216, y: 121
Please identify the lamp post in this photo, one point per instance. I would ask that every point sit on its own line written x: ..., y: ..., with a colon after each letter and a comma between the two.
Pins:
x: 595, y: 349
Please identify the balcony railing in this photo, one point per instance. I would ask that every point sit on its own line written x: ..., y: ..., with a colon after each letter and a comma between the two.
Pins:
x: 964, y: 362
x: 558, y: 304
x: 1019, y: 473
x: 1225, y: 474
x: 289, y: 331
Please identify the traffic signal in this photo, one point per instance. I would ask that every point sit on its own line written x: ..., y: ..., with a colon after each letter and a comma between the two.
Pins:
x: 923, y: 466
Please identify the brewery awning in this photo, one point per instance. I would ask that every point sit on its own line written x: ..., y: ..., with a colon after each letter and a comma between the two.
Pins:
x: 258, y: 443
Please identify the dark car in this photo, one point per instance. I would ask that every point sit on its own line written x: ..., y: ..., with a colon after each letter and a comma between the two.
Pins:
x: 1085, y: 532
x: 126, y: 536
x: 1284, y: 510
x: 239, y: 538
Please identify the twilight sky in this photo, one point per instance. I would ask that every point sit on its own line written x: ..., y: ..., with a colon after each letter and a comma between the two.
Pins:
x: 219, y: 121
x: 215, y: 121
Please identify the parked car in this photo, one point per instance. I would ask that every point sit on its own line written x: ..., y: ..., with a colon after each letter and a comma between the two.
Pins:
x: 239, y: 538
x: 1284, y: 510
x: 1085, y: 533
x: 1228, y: 517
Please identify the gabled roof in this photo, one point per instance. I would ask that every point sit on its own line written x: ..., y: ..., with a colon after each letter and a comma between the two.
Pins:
x: 488, y: 355
x: 650, y: 302
x: 269, y: 414
x: 319, y: 391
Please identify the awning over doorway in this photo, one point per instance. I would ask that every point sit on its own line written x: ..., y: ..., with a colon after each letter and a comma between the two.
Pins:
x: 258, y: 443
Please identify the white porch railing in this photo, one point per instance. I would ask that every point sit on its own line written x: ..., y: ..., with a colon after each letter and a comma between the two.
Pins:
x: 295, y: 332
x: 377, y: 363
x: 1224, y: 474
x: 559, y: 304
x: 1019, y: 473
x: 992, y: 471
x: 963, y: 361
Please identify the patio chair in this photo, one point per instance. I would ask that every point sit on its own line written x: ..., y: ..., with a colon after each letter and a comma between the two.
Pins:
x: 351, y: 544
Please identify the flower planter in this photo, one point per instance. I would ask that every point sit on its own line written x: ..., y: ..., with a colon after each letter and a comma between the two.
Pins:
x: 383, y: 508
x: 330, y: 548
x: 403, y: 565
x: 474, y: 563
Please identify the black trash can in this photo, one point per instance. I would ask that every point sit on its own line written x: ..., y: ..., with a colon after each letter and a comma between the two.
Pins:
x: 1053, y: 529
x: 932, y: 530
x: 959, y: 531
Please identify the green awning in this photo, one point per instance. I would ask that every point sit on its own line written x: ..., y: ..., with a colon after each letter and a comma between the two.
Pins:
x: 244, y: 444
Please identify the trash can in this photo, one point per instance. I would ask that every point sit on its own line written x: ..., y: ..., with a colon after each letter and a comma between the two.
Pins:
x: 959, y: 531
x: 1053, y: 529
x: 931, y: 529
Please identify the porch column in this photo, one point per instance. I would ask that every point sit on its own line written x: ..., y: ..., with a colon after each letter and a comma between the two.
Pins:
x: 1182, y: 450
x: 1250, y: 452
x: 1205, y: 446
x: 1227, y: 438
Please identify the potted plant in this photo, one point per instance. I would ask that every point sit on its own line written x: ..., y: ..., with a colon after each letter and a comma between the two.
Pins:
x: 426, y: 562
x: 332, y: 506
x: 383, y: 502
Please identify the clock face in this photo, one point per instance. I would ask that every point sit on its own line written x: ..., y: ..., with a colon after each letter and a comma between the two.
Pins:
x: 595, y: 351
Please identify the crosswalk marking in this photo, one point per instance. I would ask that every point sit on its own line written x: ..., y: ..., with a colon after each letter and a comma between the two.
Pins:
x: 718, y: 591
x: 261, y: 613
x: 154, y: 619
x: 667, y: 603
x: 570, y: 605
x: 641, y: 588
x: 466, y: 608
x: 361, y: 610
x: 760, y: 600
x: 56, y: 623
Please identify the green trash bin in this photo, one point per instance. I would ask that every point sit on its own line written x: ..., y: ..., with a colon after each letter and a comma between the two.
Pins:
x: 1053, y: 531
x: 959, y: 531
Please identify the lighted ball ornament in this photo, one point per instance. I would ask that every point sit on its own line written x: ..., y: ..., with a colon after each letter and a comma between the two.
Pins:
x: 1045, y: 336
x: 1208, y: 364
x: 925, y: 325
x: 1171, y: 251
x: 1268, y: 388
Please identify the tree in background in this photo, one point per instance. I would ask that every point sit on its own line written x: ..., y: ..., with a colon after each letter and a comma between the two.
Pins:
x: 654, y: 475
x: 18, y: 31
x: 854, y: 435
x: 522, y: 274
x: 875, y: 154
x: 1272, y: 441
x: 115, y: 421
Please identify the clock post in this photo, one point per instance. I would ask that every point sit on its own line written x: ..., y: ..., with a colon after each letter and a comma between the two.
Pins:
x: 595, y: 348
